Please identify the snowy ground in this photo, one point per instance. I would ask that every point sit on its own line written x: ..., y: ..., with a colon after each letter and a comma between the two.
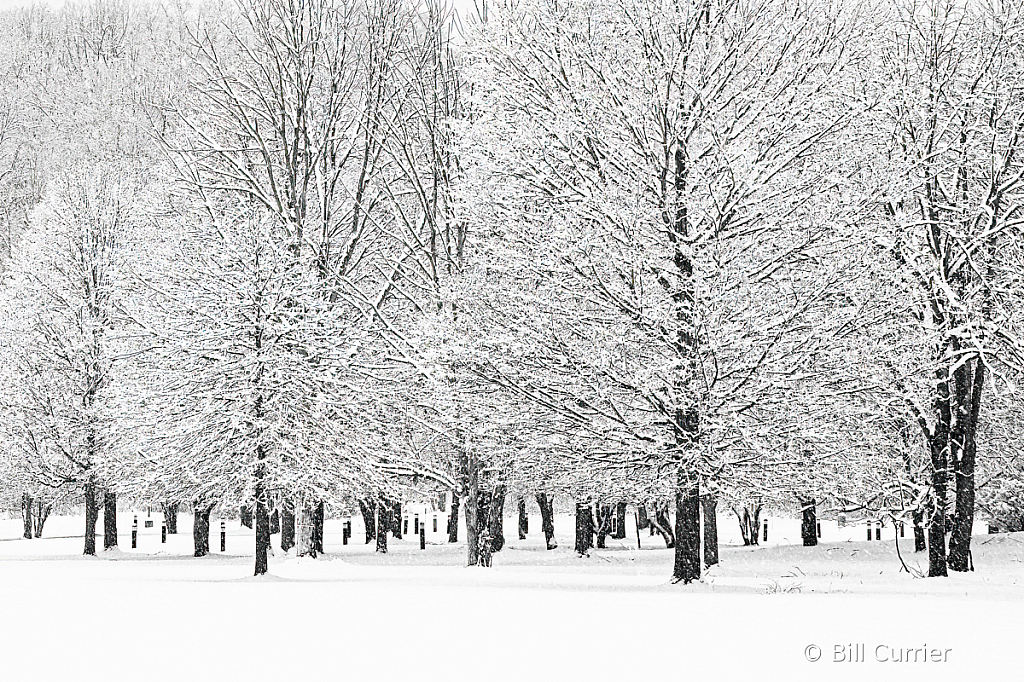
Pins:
x: 156, y: 613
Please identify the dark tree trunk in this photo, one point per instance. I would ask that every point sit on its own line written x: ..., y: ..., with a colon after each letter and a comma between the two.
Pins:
x: 496, y: 518
x: 26, y: 512
x: 524, y: 520
x: 92, y: 515
x: 42, y: 513
x: 686, y: 567
x: 472, y: 511
x: 642, y: 522
x: 317, y: 535
x: 749, y: 520
x: 262, y: 522
x: 919, y: 542
x: 938, y: 445
x: 368, y: 508
x: 710, y: 505
x: 396, y: 514
x: 109, y: 520
x: 809, y: 525
x: 620, y: 521
x: 584, y: 528
x: 245, y: 513
x: 171, y: 517
x: 547, y: 519
x: 287, y: 524
x: 661, y: 524
x: 275, y: 522
x: 201, y: 528
x: 963, y: 468
x: 383, y: 525
x: 603, y: 512
x: 453, y: 518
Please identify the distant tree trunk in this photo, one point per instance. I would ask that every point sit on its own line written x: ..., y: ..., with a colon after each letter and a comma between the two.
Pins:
x: 275, y: 521
x: 686, y: 566
x: 547, y: 519
x: 472, y: 510
x: 710, y: 530
x: 246, y: 515
x: 603, y: 512
x: 287, y: 524
x: 620, y: 521
x: 919, y: 542
x: 584, y: 528
x: 642, y: 521
x: 809, y: 527
x: 453, y: 518
x: 661, y: 524
x: 496, y: 518
x: 524, y: 520
x: 92, y: 514
x: 396, y: 514
x: 383, y: 525
x: 262, y: 522
x: 171, y: 517
x: 317, y: 539
x: 201, y: 528
x: 109, y: 520
x: 42, y: 513
x: 26, y: 511
x: 749, y: 519
x: 368, y: 508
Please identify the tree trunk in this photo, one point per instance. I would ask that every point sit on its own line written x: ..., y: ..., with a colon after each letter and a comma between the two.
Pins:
x: 171, y: 517
x: 472, y: 510
x: 287, y: 524
x: 453, y: 518
x: 642, y: 521
x: 396, y: 514
x: 524, y: 520
x: 963, y: 468
x: 245, y: 513
x: 686, y: 567
x: 201, y: 528
x: 661, y: 524
x: 547, y: 519
x: 92, y: 514
x: 42, y: 513
x: 710, y: 530
x: 809, y: 526
x: 26, y: 512
x: 584, y: 529
x: 275, y: 522
x: 919, y: 542
x: 368, y: 508
x: 317, y: 539
x: 749, y: 520
x: 620, y: 521
x: 109, y: 520
x: 496, y: 518
x: 383, y: 525
x: 603, y: 512
x: 262, y: 522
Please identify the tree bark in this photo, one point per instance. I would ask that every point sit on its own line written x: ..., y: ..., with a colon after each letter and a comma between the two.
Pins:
x: 496, y: 518
x: 287, y: 524
x: 642, y: 521
x: 396, y: 514
x: 661, y: 524
x: 524, y: 520
x: 262, y: 523
x: 584, y: 529
x: 749, y: 520
x: 26, y: 512
x: 603, y: 512
x: 919, y: 542
x: 201, y: 528
x: 317, y: 539
x: 368, y: 508
x: 109, y: 520
x: 453, y: 518
x: 472, y: 510
x: 92, y: 514
x: 547, y: 519
x: 171, y: 517
x: 275, y: 521
x: 245, y: 514
x: 963, y: 469
x: 809, y: 525
x: 686, y: 567
x: 383, y: 525
x: 710, y: 504
x: 42, y: 513
x: 620, y: 521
